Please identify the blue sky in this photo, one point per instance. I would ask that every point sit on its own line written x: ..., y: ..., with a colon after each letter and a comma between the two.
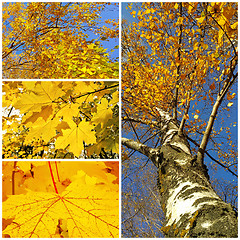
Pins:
x: 125, y: 13
x: 111, y: 12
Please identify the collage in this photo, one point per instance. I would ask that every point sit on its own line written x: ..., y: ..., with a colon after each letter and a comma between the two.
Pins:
x: 119, y: 119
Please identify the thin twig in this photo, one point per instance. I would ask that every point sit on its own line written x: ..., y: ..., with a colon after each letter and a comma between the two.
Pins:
x: 228, y: 83
x: 54, y: 183
x: 212, y: 158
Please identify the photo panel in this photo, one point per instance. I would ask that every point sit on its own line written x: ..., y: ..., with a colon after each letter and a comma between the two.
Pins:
x: 60, y: 40
x: 179, y: 81
x: 60, y: 119
x: 60, y: 199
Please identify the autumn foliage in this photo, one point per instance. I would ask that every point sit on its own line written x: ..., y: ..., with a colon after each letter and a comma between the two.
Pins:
x: 60, y: 119
x: 59, y: 40
x: 180, y: 57
x: 84, y: 202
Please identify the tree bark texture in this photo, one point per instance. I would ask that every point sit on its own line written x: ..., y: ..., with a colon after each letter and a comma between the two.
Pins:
x: 191, y: 206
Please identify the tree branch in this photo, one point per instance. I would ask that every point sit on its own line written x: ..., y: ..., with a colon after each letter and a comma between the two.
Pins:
x: 175, y: 100
x: 137, y: 120
x: 212, y: 158
x: 151, y: 153
x: 228, y: 83
x: 131, y: 124
x: 234, y: 49
x: 185, y: 115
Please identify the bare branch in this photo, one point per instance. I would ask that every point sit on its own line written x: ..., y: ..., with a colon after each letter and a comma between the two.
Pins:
x: 131, y: 124
x: 212, y: 158
x: 180, y: 131
x: 138, y: 120
x: 142, y: 148
x: 228, y: 83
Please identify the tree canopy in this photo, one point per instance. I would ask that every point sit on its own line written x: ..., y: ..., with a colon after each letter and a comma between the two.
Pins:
x: 180, y: 58
x: 60, y: 119
x: 59, y: 40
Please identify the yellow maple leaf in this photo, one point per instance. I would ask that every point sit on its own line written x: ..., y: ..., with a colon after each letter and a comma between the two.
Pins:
x: 44, y: 94
x: 234, y: 26
x: 41, y: 128
x: 115, y: 98
x: 84, y: 69
x: 30, y: 102
x: 45, y: 112
x: 230, y: 97
x: 68, y: 111
x: 85, y: 87
x: 89, y: 207
x: 75, y: 136
x: 107, y: 144
x: 201, y: 19
x: 104, y: 113
x: 147, y: 11
x: 29, y: 84
x: 27, y: 165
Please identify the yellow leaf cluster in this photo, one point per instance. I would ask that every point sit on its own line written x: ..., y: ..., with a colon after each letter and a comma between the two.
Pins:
x: 166, y: 52
x: 70, y: 115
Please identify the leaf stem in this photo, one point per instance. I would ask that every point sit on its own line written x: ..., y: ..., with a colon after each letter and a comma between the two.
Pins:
x: 57, y: 171
x: 13, y: 177
x: 54, y: 184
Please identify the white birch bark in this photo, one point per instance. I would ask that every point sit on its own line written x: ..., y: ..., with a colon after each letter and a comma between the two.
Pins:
x: 191, y: 206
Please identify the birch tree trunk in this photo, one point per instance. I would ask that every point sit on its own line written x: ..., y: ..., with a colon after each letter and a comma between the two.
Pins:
x: 191, y: 206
